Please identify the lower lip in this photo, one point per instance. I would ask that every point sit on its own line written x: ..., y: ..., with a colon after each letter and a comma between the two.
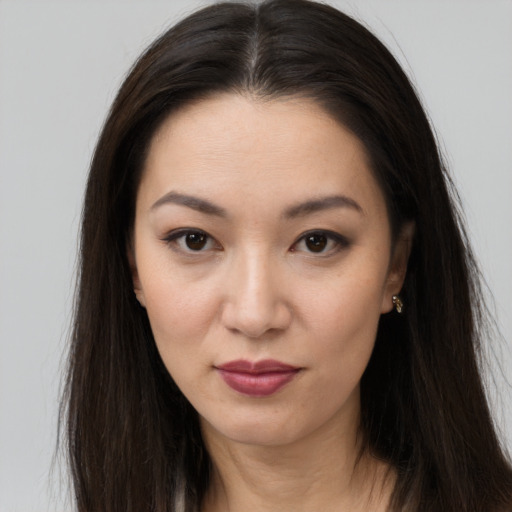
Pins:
x: 259, y: 384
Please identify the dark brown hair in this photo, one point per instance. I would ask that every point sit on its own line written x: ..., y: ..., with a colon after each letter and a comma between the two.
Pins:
x: 133, y: 439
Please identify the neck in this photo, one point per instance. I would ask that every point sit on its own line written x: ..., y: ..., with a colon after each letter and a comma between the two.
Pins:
x: 326, y: 471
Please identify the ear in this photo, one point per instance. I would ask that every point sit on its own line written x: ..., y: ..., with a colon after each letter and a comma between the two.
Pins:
x: 137, y: 287
x: 398, y: 266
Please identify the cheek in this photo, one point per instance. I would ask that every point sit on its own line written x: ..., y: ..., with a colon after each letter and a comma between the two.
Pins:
x: 180, y: 309
x: 180, y: 320
x: 178, y: 313
x: 343, y: 320
x: 349, y: 301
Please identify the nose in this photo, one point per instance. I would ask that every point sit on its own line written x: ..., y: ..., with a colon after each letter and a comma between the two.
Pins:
x: 255, y: 298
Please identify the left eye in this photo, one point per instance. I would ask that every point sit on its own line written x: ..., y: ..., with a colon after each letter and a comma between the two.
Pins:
x: 320, y: 242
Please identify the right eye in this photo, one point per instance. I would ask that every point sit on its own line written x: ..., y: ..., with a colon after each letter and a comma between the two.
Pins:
x: 191, y: 240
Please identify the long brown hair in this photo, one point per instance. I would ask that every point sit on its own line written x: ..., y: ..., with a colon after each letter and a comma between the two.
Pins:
x: 133, y: 439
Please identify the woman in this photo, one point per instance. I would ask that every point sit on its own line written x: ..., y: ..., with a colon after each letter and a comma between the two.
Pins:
x: 278, y: 308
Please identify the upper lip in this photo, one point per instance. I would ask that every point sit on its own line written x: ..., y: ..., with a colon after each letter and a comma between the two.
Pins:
x: 264, y: 366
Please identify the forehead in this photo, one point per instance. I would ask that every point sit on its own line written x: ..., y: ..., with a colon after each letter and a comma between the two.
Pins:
x: 275, y: 151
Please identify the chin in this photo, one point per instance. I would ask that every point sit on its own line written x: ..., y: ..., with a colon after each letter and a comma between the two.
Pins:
x: 252, y: 431
x: 263, y: 438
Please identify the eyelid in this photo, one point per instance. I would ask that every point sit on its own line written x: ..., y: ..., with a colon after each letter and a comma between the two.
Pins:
x: 176, y: 234
x: 341, y: 242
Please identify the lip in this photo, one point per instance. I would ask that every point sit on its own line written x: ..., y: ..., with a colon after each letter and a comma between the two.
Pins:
x: 257, y: 379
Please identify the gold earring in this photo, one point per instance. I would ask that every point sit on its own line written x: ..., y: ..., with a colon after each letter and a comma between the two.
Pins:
x: 397, y: 302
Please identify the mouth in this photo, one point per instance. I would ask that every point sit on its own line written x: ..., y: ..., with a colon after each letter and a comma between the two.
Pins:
x: 257, y: 379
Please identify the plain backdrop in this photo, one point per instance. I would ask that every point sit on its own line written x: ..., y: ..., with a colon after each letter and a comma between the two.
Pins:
x: 60, y: 66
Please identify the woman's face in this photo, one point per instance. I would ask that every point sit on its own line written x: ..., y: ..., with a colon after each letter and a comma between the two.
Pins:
x: 262, y: 254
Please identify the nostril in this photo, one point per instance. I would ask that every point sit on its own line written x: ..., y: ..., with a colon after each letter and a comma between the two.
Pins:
x: 256, y: 322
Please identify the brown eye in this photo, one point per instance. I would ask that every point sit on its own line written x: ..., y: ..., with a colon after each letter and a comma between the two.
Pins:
x: 196, y: 241
x: 316, y: 243
x: 191, y: 240
x: 321, y: 242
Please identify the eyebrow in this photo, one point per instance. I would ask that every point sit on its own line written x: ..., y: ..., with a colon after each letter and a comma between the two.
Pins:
x: 320, y: 204
x: 195, y: 203
x: 298, y: 210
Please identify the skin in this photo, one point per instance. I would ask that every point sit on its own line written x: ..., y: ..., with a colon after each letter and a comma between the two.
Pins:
x: 253, y: 289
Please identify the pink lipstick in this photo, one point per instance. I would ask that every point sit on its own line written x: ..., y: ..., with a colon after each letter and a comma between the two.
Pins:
x: 258, y: 379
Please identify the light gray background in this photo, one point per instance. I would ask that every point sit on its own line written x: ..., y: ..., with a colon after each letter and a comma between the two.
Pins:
x: 60, y: 65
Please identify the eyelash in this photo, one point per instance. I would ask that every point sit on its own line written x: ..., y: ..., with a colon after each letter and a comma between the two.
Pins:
x: 175, y: 237
x: 338, y: 241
